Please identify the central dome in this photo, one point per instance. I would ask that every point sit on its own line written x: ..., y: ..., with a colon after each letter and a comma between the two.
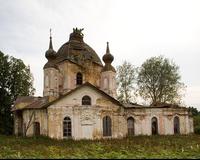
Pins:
x: 76, y: 50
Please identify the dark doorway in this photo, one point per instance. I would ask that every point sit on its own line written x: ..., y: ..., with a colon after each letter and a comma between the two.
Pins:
x: 131, y: 127
x: 154, y: 126
x: 176, y: 125
x: 36, y: 128
x: 19, y: 119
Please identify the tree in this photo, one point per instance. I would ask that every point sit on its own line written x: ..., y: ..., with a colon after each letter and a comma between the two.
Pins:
x: 196, y: 119
x: 158, y: 81
x: 194, y: 111
x: 15, y: 80
x: 125, y: 81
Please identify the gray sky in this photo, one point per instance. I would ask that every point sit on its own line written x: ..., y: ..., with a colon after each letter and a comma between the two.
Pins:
x: 136, y: 30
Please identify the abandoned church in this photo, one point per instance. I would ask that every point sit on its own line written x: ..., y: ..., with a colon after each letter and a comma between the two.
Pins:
x: 79, y: 100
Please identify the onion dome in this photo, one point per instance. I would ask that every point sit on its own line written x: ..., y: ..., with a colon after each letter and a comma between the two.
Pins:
x: 50, y: 53
x: 108, y: 59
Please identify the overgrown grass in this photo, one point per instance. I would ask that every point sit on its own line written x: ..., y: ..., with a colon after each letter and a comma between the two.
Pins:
x: 136, y: 147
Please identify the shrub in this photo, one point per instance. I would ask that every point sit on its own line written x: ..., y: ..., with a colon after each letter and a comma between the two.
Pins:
x: 197, y: 124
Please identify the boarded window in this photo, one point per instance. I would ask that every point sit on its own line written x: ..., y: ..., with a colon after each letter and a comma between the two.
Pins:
x: 67, y: 127
x: 79, y: 78
x: 36, y: 128
x: 154, y: 126
x: 131, y: 127
x: 176, y: 125
x: 107, y: 126
x: 86, y: 100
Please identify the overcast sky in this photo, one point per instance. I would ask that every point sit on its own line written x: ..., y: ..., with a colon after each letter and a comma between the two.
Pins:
x: 136, y: 30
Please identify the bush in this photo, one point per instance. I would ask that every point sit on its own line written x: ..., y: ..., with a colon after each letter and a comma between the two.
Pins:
x: 197, y: 124
x: 197, y: 130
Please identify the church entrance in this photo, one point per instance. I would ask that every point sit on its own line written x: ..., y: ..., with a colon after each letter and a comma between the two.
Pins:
x: 176, y: 125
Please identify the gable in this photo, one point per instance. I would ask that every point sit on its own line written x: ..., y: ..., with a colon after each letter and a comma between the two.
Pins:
x: 97, y: 98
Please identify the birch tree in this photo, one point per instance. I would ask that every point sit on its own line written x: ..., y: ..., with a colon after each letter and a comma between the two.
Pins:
x: 125, y: 82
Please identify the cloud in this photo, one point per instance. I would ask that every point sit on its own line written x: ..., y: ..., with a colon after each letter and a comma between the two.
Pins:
x: 136, y: 31
x: 193, y: 96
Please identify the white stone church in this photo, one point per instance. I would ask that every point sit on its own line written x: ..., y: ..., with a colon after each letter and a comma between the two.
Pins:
x: 79, y: 101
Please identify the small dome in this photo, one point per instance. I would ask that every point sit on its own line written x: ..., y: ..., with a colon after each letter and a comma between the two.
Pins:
x: 50, y: 54
x: 108, y: 58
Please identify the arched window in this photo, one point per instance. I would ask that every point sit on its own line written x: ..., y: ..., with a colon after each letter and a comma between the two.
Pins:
x: 86, y: 100
x: 113, y: 82
x: 131, y: 127
x: 176, y: 125
x: 46, y: 81
x: 36, y: 128
x: 79, y: 78
x: 107, y: 126
x: 56, y: 82
x: 154, y: 126
x: 67, y: 127
x: 105, y: 83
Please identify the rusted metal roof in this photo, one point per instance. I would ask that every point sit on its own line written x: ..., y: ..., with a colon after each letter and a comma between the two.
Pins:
x: 43, y: 102
x: 23, y: 101
x: 161, y: 105
x: 76, y: 51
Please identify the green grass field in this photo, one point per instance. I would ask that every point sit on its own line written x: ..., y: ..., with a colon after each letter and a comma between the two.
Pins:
x: 136, y: 147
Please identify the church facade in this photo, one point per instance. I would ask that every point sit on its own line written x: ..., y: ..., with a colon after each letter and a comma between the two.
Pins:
x: 79, y: 101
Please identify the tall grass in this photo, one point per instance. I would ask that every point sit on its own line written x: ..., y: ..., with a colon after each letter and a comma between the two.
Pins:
x: 134, y: 147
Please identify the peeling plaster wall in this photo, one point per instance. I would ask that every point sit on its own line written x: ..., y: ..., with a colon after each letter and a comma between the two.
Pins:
x: 68, y: 70
x: 108, y: 83
x: 165, y: 119
x: 87, y: 121
x: 51, y: 82
x: 39, y: 116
